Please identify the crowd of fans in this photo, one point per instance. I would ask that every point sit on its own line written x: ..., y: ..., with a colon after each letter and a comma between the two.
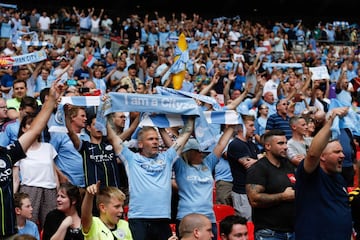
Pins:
x: 269, y: 74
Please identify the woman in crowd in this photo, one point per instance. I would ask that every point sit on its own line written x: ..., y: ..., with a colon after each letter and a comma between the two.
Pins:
x: 195, y: 182
x: 64, y: 222
x: 41, y: 181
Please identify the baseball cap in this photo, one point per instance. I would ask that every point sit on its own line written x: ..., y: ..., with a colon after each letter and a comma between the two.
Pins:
x: 192, y: 144
x: 63, y: 58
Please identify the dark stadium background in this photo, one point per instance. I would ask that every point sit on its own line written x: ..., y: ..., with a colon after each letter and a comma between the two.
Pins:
x: 263, y: 10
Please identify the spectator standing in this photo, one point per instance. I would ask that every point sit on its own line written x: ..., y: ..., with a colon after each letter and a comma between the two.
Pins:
x: 110, y: 201
x: 19, y: 91
x: 280, y: 120
x: 242, y: 153
x: 15, y: 152
x: 39, y: 182
x: 150, y: 219
x: 106, y: 25
x: 194, y: 178
x: 28, y: 106
x: 33, y: 20
x: 260, y: 124
x: 7, y: 81
x: 270, y: 188
x: 83, y: 20
x: 298, y: 144
x: 132, y: 80
x: 95, y: 23
x: 44, y: 22
x: 3, y: 114
x: 118, y: 75
x: 322, y: 201
x: 269, y: 100
x: 69, y: 160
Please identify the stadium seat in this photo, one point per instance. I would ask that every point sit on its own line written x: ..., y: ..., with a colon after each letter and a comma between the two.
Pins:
x: 221, y: 211
x: 126, y: 210
x: 250, y: 226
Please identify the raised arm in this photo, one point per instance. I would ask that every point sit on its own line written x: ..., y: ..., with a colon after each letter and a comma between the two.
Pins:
x: 321, y: 139
x: 116, y: 140
x: 42, y: 117
x: 184, y: 135
x: 87, y: 206
x: 214, y: 80
x: 101, y: 13
x: 223, y: 141
x: 235, y: 103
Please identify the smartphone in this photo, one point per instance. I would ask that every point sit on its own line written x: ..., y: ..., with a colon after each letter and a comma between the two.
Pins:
x: 84, y: 90
x: 297, y: 97
x: 149, y: 81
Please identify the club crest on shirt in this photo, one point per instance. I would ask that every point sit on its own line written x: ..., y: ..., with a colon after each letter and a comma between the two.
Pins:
x: 119, y: 234
x: 108, y: 147
x: 2, y: 164
x: 5, y: 172
x: 154, y: 166
x: 59, y: 117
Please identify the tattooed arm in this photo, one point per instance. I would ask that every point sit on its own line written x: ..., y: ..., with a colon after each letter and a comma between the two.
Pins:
x: 258, y: 198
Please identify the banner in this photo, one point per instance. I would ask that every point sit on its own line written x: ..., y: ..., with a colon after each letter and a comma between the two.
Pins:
x: 6, y: 5
x: 132, y: 102
x: 172, y: 92
x: 319, y: 73
x: 266, y: 65
x: 23, y: 59
x: 20, y: 42
x: 128, y: 102
x: 223, y: 117
x: 175, y: 120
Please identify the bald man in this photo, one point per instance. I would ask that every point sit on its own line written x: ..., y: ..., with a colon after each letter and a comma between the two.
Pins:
x: 195, y: 226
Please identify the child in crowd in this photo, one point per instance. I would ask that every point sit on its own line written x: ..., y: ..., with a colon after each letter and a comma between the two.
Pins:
x: 109, y: 225
x: 23, y: 210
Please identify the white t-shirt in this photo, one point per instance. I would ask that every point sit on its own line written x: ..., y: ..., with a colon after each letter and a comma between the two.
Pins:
x: 44, y: 23
x: 37, y: 169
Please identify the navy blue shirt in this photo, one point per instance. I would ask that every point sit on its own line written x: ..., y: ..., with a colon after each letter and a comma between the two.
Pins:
x: 322, y: 206
x: 8, y: 156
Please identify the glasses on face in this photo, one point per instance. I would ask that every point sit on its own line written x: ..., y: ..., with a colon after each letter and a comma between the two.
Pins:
x: 264, y: 108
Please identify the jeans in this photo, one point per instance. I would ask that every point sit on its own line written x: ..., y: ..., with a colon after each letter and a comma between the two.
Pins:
x: 268, y: 234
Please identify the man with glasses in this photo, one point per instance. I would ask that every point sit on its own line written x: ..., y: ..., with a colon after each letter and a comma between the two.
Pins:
x: 3, y: 113
x: 280, y: 120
